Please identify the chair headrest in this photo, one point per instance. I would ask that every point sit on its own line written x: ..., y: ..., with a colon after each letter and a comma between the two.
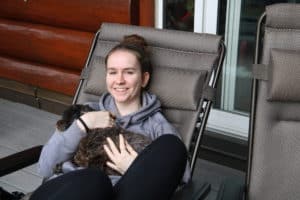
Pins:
x: 185, y: 41
x: 284, y: 75
x: 176, y: 88
x: 283, y: 15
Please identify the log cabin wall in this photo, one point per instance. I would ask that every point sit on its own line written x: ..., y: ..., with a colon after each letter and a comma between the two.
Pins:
x: 44, y: 44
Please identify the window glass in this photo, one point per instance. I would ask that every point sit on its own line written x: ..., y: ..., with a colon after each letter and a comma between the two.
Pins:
x: 236, y: 22
x: 179, y: 15
x: 250, y: 12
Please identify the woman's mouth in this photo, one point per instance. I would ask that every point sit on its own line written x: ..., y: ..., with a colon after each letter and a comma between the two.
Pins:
x: 120, y: 89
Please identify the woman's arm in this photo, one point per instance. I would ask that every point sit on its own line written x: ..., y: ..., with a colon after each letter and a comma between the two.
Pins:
x: 62, y: 145
x: 162, y: 127
x: 59, y: 148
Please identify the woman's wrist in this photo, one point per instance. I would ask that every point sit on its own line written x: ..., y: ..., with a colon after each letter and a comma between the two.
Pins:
x: 82, y: 125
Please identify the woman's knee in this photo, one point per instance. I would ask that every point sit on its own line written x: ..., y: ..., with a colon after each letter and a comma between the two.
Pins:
x: 172, y: 142
x: 76, y: 185
x: 94, y: 177
x: 168, y: 149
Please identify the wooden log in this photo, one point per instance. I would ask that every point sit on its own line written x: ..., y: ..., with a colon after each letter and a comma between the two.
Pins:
x: 86, y: 15
x: 44, y: 44
x: 45, y: 76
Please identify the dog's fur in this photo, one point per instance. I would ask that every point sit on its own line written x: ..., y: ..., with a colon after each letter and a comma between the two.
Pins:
x: 90, y: 152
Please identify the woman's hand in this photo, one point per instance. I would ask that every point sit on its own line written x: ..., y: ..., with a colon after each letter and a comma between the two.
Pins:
x: 97, y: 119
x: 120, y: 159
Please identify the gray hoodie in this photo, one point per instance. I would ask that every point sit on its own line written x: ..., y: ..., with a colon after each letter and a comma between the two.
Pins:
x: 148, y: 121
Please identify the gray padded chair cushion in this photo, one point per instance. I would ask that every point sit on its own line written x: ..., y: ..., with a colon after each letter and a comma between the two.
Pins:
x: 285, y: 16
x: 186, y: 84
x: 284, y: 75
x: 168, y: 39
x: 95, y: 83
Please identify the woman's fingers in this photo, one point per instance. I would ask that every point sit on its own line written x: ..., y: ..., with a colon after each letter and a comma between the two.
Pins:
x: 112, y: 146
x: 121, y: 159
x: 111, y: 122
x: 113, y: 166
x: 121, y: 143
x: 123, y: 146
x: 108, y: 152
x: 112, y: 116
x: 99, y: 119
x: 130, y: 149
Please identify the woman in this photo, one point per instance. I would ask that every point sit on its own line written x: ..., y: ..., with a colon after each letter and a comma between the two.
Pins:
x: 153, y: 174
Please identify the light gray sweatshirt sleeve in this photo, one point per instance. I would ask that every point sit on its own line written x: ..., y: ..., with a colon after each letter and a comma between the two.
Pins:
x: 60, y: 147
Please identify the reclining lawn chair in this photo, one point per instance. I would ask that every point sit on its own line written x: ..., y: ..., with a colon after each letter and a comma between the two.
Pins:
x: 186, y: 69
x: 274, y: 142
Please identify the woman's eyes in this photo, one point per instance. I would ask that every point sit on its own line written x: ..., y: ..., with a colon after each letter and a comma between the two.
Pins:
x: 130, y: 72
x: 111, y: 72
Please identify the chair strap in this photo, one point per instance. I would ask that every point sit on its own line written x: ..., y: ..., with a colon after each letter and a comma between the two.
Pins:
x: 209, y: 93
x: 260, y: 71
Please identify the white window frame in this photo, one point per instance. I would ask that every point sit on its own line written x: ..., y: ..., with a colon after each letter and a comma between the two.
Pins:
x: 205, y: 21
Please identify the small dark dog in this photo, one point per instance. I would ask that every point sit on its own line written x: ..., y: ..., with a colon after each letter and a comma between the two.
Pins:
x: 90, y: 152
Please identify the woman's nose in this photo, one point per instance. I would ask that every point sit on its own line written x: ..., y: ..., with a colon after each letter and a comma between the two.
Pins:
x: 120, y: 78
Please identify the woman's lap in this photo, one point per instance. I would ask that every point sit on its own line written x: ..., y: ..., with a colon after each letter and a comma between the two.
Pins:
x: 76, y: 185
x: 155, y: 174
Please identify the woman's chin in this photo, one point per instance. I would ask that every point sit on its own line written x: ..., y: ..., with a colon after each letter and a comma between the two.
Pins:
x: 120, y: 99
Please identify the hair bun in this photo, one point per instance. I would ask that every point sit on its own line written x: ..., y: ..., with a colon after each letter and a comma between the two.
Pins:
x: 135, y: 40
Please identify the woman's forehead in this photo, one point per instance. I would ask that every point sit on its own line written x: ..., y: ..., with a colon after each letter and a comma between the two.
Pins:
x: 122, y: 53
x: 122, y: 60
x: 134, y: 68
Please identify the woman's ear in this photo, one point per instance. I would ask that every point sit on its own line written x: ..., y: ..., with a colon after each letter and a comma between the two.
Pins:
x: 145, y: 80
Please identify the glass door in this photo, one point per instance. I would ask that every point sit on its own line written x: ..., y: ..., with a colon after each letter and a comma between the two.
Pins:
x: 236, y: 20
x: 187, y: 15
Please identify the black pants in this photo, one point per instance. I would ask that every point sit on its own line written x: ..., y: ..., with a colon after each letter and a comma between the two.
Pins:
x: 154, y: 175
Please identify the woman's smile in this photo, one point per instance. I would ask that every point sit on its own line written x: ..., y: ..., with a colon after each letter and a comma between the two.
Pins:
x: 124, y: 77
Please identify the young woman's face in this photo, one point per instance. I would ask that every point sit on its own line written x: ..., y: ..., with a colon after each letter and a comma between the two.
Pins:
x: 124, y: 78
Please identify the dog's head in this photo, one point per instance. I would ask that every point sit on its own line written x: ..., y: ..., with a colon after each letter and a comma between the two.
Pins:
x: 70, y: 114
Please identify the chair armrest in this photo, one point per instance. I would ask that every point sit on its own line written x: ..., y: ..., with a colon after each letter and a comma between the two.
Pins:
x: 231, y: 190
x: 19, y: 160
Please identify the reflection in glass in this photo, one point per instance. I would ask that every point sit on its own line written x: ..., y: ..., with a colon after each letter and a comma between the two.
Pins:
x: 179, y: 15
x: 250, y: 13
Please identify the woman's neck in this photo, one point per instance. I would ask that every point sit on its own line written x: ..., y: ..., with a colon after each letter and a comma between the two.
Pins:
x: 126, y: 109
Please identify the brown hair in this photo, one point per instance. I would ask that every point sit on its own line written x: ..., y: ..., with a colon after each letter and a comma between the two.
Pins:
x: 138, y: 46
